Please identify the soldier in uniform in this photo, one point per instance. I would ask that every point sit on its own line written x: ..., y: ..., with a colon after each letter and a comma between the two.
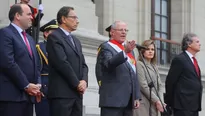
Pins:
x: 42, y: 108
x: 98, y: 67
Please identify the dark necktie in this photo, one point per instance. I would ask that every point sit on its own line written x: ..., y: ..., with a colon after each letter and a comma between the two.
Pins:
x: 27, y: 43
x: 71, y: 39
x: 196, y: 66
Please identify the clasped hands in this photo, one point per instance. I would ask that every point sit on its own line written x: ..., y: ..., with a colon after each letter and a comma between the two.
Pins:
x: 34, y: 90
x: 82, y: 86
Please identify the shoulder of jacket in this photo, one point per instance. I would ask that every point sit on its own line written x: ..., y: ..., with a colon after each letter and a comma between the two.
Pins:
x: 6, y: 30
x: 139, y: 62
x: 40, y: 44
x: 181, y: 56
x: 140, y: 65
x: 55, y: 32
x: 104, y: 45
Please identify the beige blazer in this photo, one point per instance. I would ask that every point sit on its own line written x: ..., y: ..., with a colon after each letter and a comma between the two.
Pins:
x: 144, y: 89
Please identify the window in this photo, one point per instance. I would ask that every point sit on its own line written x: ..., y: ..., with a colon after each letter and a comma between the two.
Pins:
x: 161, y: 28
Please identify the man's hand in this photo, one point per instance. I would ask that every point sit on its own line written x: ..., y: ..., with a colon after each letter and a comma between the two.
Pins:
x: 32, y: 89
x: 136, y: 104
x: 159, y: 106
x: 38, y: 97
x: 39, y: 85
x: 82, y: 86
x: 129, y: 46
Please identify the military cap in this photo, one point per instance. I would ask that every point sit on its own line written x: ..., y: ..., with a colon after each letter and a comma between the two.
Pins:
x: 53, y: 24
x: 108, y: 28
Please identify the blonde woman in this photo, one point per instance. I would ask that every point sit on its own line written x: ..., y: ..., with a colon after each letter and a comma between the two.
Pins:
x: 149, y: 56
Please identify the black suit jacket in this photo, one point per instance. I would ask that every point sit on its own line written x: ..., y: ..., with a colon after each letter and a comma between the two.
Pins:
x: 183, y: 85
x: 119, y: 82
x: 66, y: 65
x: 17, y: 67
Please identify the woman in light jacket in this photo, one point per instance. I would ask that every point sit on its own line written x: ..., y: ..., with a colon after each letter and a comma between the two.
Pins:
x: 149, y: 56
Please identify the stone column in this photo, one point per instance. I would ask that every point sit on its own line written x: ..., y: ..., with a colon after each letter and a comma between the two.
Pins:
x: 105, y: 12
x: 143, y: 18
x: 5, y: 6
x: 181, y: 21
x: 110, y: 10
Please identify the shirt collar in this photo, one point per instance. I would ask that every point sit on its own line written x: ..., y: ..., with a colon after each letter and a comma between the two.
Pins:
x: 190, y: 55
x: 17, y: 28
x: 66, y: 32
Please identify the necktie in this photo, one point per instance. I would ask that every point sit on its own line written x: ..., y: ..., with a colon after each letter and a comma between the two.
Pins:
x: 26, y: 42
x: 71, y: 39
x: 196, y: 66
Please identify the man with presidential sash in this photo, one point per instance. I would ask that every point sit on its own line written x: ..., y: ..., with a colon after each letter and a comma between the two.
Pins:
x: 42, y: 108
x: 117, y: 78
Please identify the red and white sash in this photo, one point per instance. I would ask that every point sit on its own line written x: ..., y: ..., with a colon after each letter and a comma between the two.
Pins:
x: 119, y: 47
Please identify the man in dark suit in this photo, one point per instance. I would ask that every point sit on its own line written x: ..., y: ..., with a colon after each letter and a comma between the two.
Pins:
x: 68, y: 72
x: 19, y: 71
x: 42, y: 108
x: 116, y: 73
x: 183, y: 82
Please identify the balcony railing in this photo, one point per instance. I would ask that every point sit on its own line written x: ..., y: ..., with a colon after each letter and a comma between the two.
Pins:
x: 166, y: 50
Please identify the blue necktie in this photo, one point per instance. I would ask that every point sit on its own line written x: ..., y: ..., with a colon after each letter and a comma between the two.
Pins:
x: 71, y: 39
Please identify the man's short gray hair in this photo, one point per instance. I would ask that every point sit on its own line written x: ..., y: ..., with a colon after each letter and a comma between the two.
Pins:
x: 114, y: 25
x: 187, y: 40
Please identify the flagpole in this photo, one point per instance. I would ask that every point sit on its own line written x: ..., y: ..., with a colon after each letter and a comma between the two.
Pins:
x: 38, y: 26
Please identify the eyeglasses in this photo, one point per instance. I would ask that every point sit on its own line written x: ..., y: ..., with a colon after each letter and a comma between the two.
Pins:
x: 73, y: 17
x: 121, y: 30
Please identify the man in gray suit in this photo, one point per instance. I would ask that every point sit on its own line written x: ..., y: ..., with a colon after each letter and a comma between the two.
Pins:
x: 116, y: 74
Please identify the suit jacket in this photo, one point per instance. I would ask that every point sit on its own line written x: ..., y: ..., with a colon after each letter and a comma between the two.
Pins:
x: 183, y: 85
x: 66, y: 65
x: 17, y: 67
x: 119, y: 82
x: 144, y: 80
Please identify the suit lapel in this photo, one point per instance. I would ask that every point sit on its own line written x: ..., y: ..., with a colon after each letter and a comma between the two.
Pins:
x: 191, y: 63
x: 67, y: 40
x: 76, y: 44
x: 31, y: 46
x: 21, y: 39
